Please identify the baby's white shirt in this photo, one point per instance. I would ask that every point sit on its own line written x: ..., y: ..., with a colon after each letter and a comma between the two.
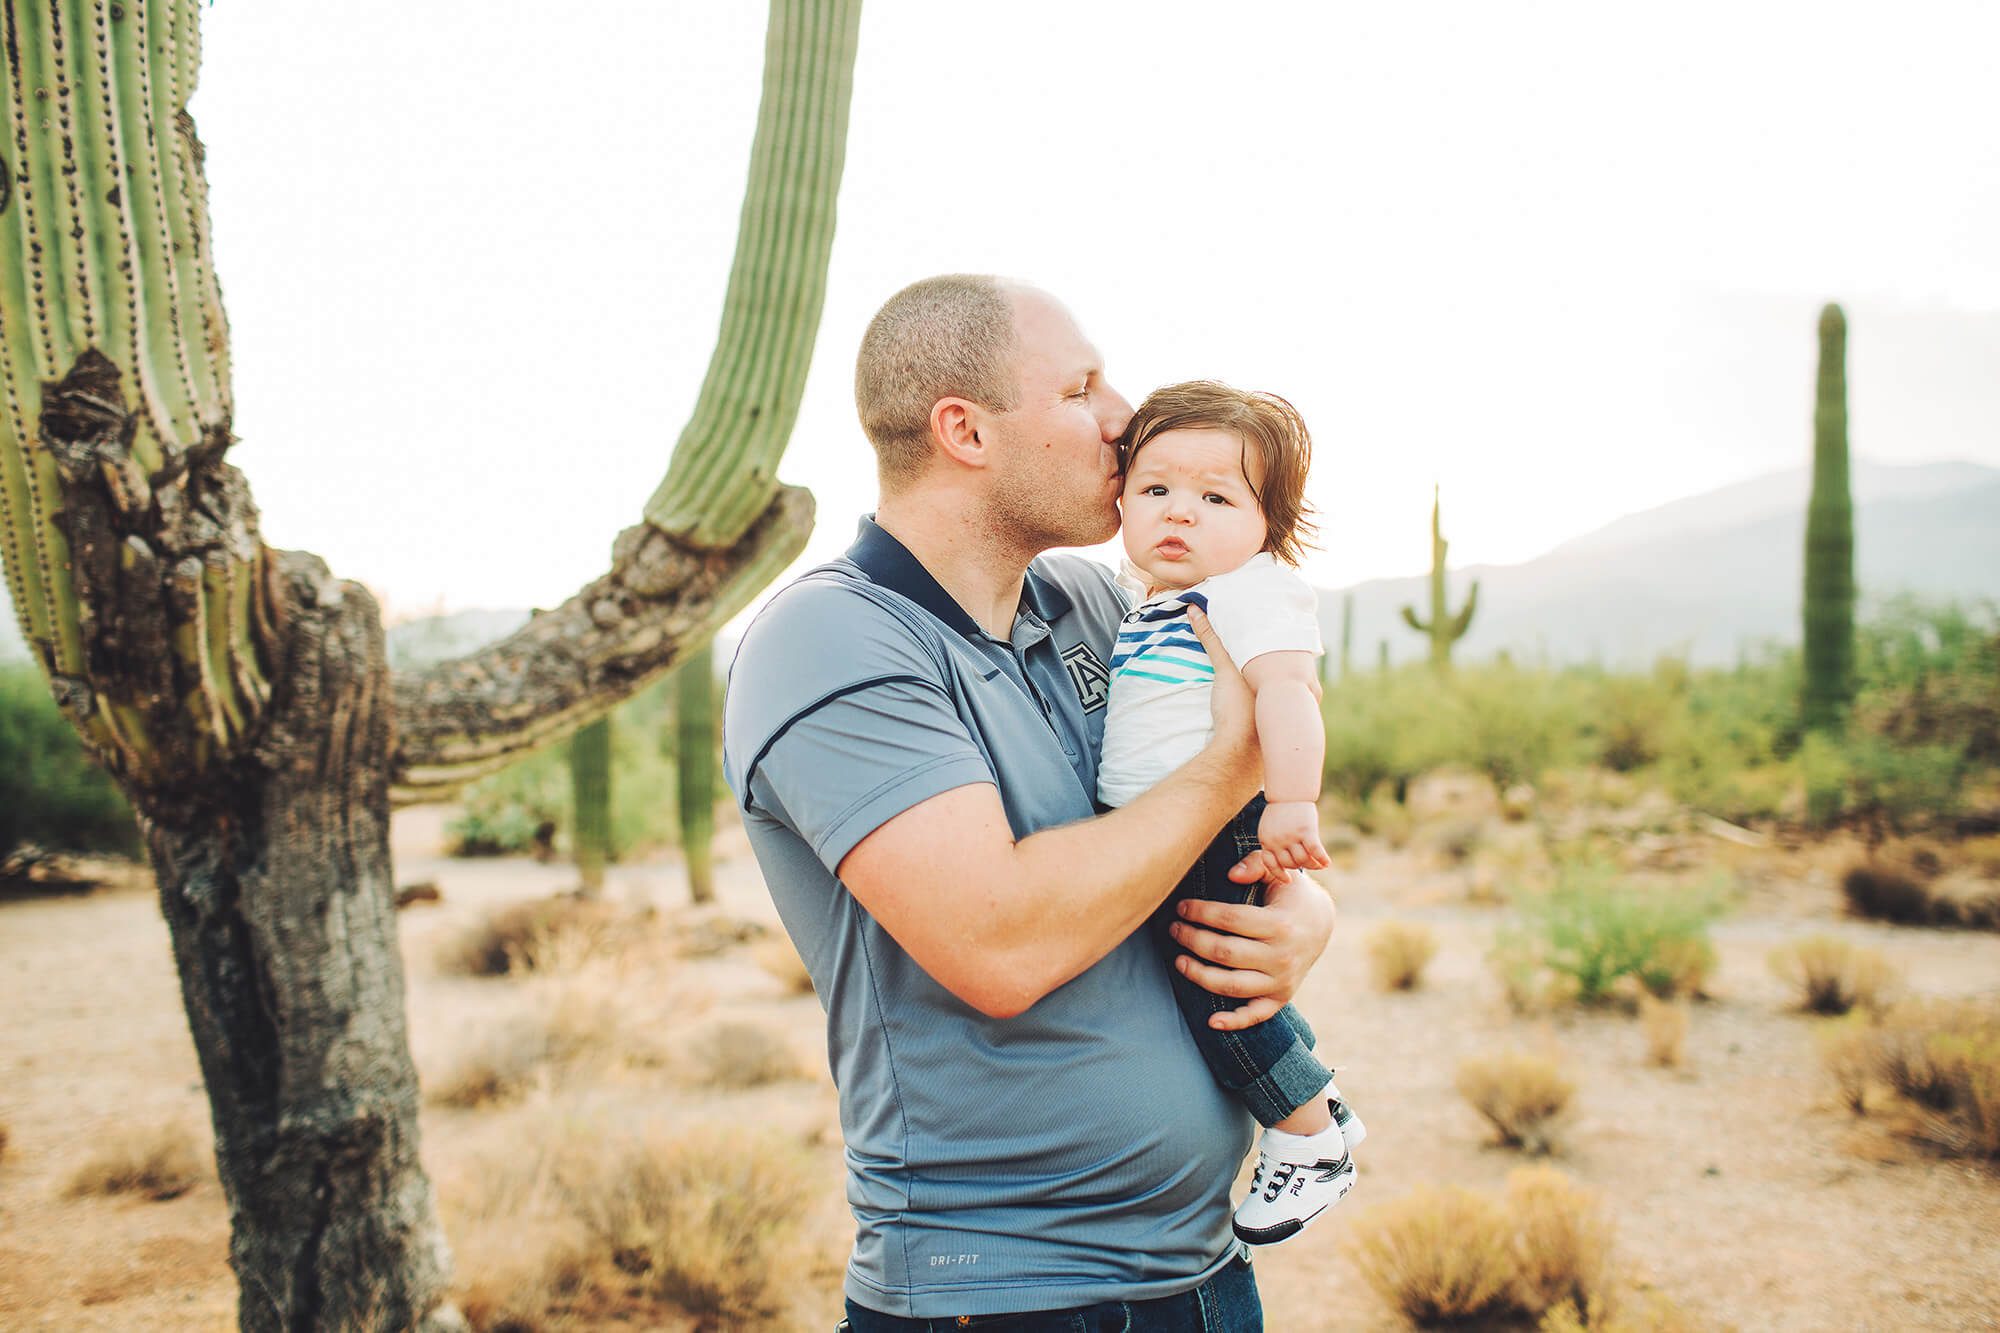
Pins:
x: 1160, y: 674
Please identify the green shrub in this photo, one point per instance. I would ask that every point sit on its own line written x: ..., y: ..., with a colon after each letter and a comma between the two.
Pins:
x: 1590, y: 931
x: 51, y: 793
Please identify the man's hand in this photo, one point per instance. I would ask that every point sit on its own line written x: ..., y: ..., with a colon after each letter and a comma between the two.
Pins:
x: 1261, y: 954
x: 1232, y: 711
x: 1289, y: 832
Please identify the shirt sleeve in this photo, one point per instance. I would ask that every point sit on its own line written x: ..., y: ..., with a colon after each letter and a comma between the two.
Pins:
x: 839, y: 719
x: 1264, y: 607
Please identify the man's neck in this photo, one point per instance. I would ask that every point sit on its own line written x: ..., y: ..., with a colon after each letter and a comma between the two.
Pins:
x: 982, y: 574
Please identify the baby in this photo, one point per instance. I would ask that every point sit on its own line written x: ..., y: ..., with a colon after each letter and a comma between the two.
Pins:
x: 1215, y: 517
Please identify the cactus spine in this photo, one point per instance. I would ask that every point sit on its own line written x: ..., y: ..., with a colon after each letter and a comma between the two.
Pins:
x: 590, y: 801
x: 695, y: 762
x: 1443, y: 629
x: 1829, y: 579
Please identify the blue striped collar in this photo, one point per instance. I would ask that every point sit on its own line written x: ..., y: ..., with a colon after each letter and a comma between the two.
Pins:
x: 889, y: 564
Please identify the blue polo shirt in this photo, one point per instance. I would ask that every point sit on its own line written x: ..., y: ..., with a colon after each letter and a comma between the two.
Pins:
x: 1077, y: 1153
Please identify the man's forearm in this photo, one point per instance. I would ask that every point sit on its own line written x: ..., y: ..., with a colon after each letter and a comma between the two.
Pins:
x: 1078, y: 890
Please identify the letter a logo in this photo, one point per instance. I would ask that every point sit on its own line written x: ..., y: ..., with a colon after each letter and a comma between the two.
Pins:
x: 1088, y: 673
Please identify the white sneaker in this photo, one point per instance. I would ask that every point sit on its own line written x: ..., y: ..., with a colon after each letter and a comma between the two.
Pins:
x: 1298, y: 1177
x: 1352, y: 1131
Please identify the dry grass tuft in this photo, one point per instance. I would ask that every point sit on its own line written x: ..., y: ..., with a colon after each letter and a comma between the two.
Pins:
x: 157, y: 1161
x: 3, y: 1142
x: 1665, y: 1024
x: 1524, y: 1095
x: 1833, y: 975
x: 1562, y: 1242
x: 1398, y: 952
x: 736, y: 1055
x: 1456, y: 1257
x: 780, y: 960
x: 1941, y: 1058
x: 587, y: 1231
x: 549, y: 935
x: 580, y: 1023
x: 1438, y: 1255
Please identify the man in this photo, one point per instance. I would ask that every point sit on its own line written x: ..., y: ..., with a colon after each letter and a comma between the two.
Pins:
x: 912, y: 731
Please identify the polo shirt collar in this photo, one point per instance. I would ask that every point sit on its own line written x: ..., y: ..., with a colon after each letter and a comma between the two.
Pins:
x: 889, y: 564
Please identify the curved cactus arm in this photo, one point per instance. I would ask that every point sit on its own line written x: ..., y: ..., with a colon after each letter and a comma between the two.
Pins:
x: 724, y: 469
x: 1461, y: 622
x: 720, y: 526
x: 459, y: 720
x: 1416, y: 623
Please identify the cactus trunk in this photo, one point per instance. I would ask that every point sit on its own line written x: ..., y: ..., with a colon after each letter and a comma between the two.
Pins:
x: 695, y: 765
x: 1346, y: 634
x: 590, y: 801
x: 1443, y: 629
x: 1829, y: 579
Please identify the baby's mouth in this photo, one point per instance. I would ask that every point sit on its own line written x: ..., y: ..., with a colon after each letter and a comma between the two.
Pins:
x: 1171, y: 547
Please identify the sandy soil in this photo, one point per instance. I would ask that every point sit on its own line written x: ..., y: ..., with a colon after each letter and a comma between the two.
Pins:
x: 1740, y: 1189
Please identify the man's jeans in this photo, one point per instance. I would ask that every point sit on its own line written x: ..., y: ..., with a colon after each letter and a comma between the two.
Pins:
x: 1226, y: 1303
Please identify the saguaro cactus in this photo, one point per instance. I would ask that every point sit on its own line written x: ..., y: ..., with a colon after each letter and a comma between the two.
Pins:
x: 1346, y: 633
x: 1829, y: 587
x: 590, y: 801
x: 241, y: 695
x: 695, y: 764
x: 1443, y: 629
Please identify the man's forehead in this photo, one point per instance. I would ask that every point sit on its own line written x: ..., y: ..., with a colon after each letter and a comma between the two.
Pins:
x: 1048, y: 332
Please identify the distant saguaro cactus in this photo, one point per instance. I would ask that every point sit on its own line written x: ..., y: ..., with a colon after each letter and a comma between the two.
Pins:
x: 1443, y: 629
x: 590, y: 801
x: 241, y: 695
x: 1828, y: 687
x: 1346, y: 633
x: 694, y: 728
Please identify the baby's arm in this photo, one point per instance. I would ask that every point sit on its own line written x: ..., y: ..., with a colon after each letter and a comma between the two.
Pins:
x: 1293, y: 739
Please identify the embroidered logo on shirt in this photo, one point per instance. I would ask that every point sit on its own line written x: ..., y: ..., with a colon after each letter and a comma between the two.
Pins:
x: 1088, y: 674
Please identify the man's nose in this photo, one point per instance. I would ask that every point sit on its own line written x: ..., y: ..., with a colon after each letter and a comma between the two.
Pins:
x: 1113, y: 413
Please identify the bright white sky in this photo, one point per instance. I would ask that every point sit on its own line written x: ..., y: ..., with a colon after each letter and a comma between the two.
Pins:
x: 1562, y: 258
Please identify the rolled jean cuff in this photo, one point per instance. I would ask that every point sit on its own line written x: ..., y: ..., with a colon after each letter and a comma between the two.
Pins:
x: 1293, y: 1079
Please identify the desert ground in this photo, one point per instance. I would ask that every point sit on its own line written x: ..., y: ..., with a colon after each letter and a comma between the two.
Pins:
x: 1742, y: 1190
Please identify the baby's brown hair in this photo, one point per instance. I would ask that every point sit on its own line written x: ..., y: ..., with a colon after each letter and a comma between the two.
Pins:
x: 1262, y: 421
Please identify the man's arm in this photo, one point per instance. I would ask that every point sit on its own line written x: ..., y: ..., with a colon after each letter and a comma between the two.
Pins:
x: 1000, y: 922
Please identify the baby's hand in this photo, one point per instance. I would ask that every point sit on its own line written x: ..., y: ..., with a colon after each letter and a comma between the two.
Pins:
x: 1289, y: 831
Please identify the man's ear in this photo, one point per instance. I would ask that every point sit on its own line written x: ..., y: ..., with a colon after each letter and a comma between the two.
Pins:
x: 960, y: 427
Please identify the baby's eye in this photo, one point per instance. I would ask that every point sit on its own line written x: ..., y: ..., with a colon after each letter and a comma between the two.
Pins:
x: 1213, y: 498
x: 1155, y: 491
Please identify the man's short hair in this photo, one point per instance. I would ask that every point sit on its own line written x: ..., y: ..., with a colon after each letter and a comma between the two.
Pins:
x: 950, y: 336
x: 1264, y: 423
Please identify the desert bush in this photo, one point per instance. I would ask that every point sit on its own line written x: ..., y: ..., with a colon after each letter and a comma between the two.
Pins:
x: 740, y: 1055
x: 1398, y: 952
x: 3, y: 1142
x: 1454, y: 1257
x: 586, y: 1229
x: 157, y: 1161
x: 1942, y: 1057
x: 1887, y: 892
x: 1592, y: 931
x: 1525, y: 1096
x: 51, y: 794
x: 1833, y: 975
x: 1847, y: 1053
x: 1438, y: 1255
x: 1665, y: 1025
x: 779, y: 960
x: 1562, y: 1242
x: 547, y: 934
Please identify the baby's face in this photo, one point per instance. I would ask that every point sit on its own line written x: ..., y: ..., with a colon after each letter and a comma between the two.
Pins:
x: 1188, y: 509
